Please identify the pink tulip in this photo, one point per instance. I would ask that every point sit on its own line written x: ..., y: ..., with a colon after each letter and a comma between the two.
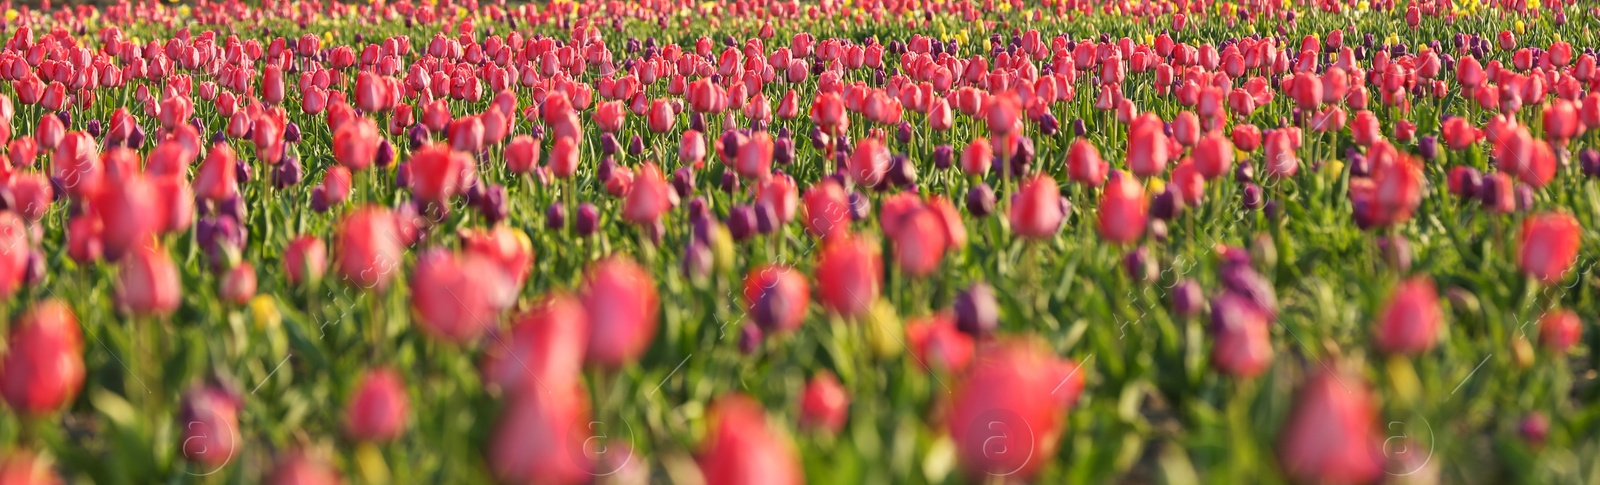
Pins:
x: 147, y: 281
x: 458, y: 297
x: 1549, y: 244
x: 41, y: 369
x: 1409, y: 324
x: 621, y: 301
x: 849, y: 275
x: 210, y: 431
x: 379, y: 408
x: 369, y: 248
x: 1331, y: 436
x: 532, y: 439
x: 824, y: 404
x: 1006, y: 416
x: 1037, y: 211
x: 1124, y: 209
x: 545, y: 348
x: 740, y: 447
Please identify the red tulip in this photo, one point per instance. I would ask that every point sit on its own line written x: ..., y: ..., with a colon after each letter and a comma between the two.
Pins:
x: 147, y: 281
x: 1124, y: 209
x: 436, y: 115
x: 336, y: 185
x: 789, y: 106
x: 31, y: 192
x: 779, y: 193
x: 369, y: 248
x: 1186, y: 128
x: 439, y: 173
x: 1561, y: 121
x: 940, y: 118
x: 1037, y: 211
x: 1246, y: 137
x: 217, y: 178
x: 1330, y: 436
x: 827, y: 209
x: 50, y: 132
x: 1084, y: 164
x: 1529, y: 160
x: 938, y: 342
x: 1559, y: 330
x: 740, y: 447
x: 545, y: 349
x: 468, y: 134
x: 83, y: 240
x: 1147, y: 146
x: 610, y: 115
x: 824, y: 404
x: 1364, y: 130
x: 849, y: 275
x: 1409, y: 324
x: 76, y: 163
x: 22, y: 151
x: 1213, y: 156
x: 1549, y: 244
x: 1460, y: 134
x: 378, y: 409
x: 692, y: 148
x: 661, y: 116
x: 564, y: 157
x: 457, y: 297
x: 1243, y: 342
x: 920, y: 241
x: 620, y: 298
x: 533, y: 440
x: 1007, y: 414
x: 355, y: 143
x: 754, y: 160
x: 975, y: 159
x: 211, y: 430
x: 41, y: 369
x: 507, y: 247
x: 870, y: 162
x: 522, y: 154
x: 299, y: 468
x: 305, y: 259
x: 649, y: 197
x: 239, y: 283
x: 1187, y: 183
x: 14, y: 249
x: 19, y: 467
x: 827, y: 111
x: 1281, y: 161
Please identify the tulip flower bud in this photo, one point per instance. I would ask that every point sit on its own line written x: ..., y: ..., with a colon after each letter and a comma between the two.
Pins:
x: 824, y: 404
x: 1534, y: 428
x: 42, y: 369
x: 210, y: 425
x: 1140, y: 268
x: 622, y: 304
x: 750, y: 337
x: 980, y: 200
x: 588, y: 220
x: 378, y: 409
x: 300, y: 468
x: 977, y: 313
x: 1559, y: 330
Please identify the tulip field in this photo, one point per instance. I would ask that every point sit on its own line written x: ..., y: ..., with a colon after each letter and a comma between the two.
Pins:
x: 847, y: 241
